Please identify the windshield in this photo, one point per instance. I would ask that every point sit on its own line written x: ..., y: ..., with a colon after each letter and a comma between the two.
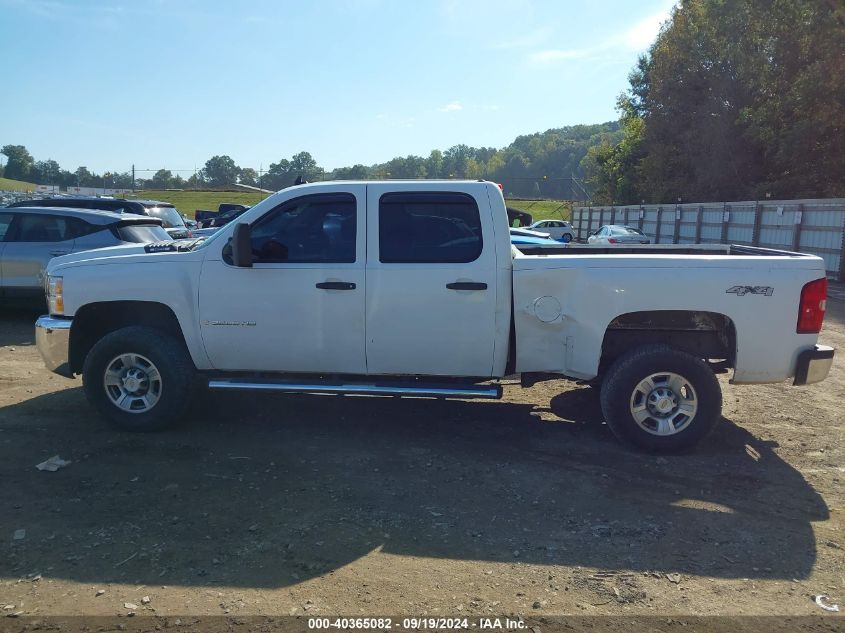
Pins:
x: 169, y: 216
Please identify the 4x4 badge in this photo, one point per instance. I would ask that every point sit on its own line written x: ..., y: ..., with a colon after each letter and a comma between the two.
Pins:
x: 741, y: 291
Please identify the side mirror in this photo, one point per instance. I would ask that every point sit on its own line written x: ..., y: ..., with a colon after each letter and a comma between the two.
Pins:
x: 242, y: 246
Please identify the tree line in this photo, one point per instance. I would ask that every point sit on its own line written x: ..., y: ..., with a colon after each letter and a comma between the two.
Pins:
x: 539, y: 164
x: 735, y: 100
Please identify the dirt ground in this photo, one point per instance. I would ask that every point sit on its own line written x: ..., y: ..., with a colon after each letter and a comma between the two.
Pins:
x: 333, y: 505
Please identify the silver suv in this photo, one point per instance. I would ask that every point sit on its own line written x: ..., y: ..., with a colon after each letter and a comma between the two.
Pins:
x: 31, y: 236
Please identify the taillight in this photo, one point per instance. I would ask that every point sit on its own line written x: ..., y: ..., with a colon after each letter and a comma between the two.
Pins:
x: 501, y: 186
x: 812, y: 306
x: 612, y: 240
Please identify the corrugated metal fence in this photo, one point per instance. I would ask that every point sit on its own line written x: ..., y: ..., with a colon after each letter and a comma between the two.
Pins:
x: 807, y: 226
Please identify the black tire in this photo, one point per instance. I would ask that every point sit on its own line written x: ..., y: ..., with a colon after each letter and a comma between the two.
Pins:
x: 620, y: 395
x: 168, y: 355
x: 566, y: 238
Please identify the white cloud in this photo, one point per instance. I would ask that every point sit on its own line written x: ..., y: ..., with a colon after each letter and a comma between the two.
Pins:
x: 635, y: 39
x: 643, y: 33
x: 455, y: 106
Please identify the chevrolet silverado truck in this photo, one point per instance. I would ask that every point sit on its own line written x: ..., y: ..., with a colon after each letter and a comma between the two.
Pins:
x: 413, y: 288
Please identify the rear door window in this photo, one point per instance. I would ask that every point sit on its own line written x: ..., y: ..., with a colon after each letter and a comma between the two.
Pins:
x: 429, y: 227
x: 42, y: 228
x: 5, y: 223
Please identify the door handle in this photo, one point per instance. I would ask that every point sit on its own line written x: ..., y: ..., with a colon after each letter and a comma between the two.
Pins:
x: 336, y: 285
x: 58, y: 253
x: 467, y: 285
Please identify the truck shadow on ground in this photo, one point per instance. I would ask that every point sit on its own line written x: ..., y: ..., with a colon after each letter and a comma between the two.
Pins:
x: 267, y: 491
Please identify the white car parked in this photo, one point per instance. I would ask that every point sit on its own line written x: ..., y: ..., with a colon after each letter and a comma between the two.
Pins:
x: 618, y: 234
x: 557, y: 229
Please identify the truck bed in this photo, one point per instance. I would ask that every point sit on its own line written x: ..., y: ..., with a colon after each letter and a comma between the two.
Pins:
x: 657, y: 249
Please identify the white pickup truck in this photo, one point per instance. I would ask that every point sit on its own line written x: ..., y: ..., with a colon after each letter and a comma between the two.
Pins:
x: 413, y: 288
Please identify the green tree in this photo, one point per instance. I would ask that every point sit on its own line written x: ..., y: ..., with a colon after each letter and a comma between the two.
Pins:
x: 83, y: 177
x: 304, y: 165
x: 19, y: 162
x: 736, y: 100
x: 46, y: 172
x: 278, y: 175
x: 356, y: 172
x: 161, y: 179
x: 122, y: 180
x: 434, y: 164
x: 220, y: 171
x: 248, y: 176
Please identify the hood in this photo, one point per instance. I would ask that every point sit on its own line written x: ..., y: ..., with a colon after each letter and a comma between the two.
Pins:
x: 124, y: 254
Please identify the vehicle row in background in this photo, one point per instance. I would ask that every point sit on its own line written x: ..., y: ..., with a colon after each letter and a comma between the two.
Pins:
x: 226, y: 212
x: 30, y: 237
x: 169, y: 215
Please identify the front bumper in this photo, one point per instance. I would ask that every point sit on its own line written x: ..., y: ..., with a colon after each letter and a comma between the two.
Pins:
x: 52, y: 337
x: 813, y: 365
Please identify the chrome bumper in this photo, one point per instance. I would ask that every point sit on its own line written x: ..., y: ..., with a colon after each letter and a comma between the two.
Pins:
x: 52, y: 337
x: 813, y: 365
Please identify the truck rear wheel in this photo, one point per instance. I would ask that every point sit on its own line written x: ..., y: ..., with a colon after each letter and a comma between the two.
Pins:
x: 139, y: 378
x: 661, y: 399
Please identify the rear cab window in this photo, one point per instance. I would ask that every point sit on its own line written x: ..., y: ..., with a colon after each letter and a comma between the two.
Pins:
x: 429, y: 227
x: 41, y: 227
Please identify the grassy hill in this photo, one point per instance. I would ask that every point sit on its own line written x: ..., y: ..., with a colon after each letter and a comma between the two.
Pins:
x: 189, y: 201
x: 7, y: 184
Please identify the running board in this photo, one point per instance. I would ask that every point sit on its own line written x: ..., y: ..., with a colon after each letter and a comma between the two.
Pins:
x: 373, y: 389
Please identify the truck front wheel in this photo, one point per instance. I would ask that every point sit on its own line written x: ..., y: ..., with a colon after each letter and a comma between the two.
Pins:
x: 661, y: 399
x: 139, y: 378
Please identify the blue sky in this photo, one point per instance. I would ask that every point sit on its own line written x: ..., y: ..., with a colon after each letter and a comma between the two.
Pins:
x: 169, y: 83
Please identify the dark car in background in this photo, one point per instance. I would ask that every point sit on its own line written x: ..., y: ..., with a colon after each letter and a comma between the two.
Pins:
x: 169, y: 215
x: 226, y: 212
x: 31, y: 236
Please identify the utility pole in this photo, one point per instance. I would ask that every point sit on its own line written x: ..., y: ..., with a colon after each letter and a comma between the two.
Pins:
x: 133, y: 178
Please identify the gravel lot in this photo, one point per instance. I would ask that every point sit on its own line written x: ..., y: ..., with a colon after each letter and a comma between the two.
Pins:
x: 345, y: 505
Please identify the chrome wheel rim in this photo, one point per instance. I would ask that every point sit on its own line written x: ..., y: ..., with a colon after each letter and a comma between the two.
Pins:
x: 133, y: 383
x: 664, y: 404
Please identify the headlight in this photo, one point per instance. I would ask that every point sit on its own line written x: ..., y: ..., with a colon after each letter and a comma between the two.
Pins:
x: 55, y: 295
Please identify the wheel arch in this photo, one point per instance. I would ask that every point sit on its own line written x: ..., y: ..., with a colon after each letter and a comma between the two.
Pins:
x: 95, y: 320
x: 705, y: 334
